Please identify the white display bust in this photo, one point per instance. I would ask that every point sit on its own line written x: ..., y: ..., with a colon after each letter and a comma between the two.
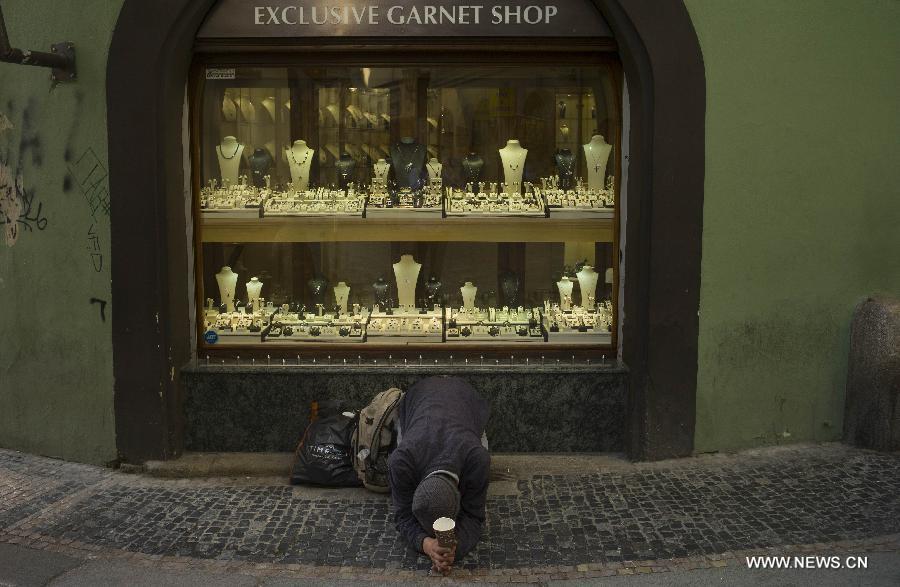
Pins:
x: 332, y: 110
x: 407, y: 273
x: 254, y: 288
x: 341, y: 295
x: 565, y: 293
x: 381, y: 169
x: 227, y: 281
x: 468, y: 291
x: 587, y: 282
x: 596, y: 155
x: 248, y: 110
x: 299, y: 158
x: 434, y: 168
x: 229, y: 108
x: 513, y: 156
x: 230, y: 152
x: 269, y: 105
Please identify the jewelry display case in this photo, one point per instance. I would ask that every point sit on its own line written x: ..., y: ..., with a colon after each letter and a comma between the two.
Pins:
x: 416, y: 204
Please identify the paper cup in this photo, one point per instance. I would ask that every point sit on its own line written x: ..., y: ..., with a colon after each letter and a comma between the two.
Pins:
x: 445, y: 532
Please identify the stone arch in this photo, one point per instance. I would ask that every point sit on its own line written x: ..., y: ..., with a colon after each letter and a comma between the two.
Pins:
x: 148, y: 65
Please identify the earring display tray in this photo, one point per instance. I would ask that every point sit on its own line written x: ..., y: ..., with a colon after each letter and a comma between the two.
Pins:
x: 288, y: 327
x: 503, y: 325
x: 407, y: 322
x: 485, y: 204
x: 579, y: 324
x: 404, y: 204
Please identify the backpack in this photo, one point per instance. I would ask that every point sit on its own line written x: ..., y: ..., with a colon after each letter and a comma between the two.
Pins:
x: 375, y: 438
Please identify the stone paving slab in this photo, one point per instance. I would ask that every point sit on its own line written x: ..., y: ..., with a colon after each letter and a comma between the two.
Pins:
x: 31, y: 568
x: 691, y: 513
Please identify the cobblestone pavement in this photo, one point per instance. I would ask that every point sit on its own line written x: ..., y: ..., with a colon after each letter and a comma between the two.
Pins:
x: 623, y: 519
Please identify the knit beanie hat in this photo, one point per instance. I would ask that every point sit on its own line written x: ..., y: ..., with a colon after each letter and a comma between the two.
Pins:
x: 436, y: 496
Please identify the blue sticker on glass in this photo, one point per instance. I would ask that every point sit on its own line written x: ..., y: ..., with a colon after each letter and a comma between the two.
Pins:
x: 211, y: 337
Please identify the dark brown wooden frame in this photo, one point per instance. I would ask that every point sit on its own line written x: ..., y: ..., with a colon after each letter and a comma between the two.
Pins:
x: 147, y: 69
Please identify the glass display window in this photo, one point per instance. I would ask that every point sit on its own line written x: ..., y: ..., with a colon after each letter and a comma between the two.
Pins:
x: 407, y: 204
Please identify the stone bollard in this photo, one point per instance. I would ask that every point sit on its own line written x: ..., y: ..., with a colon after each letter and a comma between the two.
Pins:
x: 872, y: 412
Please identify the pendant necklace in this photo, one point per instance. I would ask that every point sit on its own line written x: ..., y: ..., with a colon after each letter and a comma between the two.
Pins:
x: 410, y: 157
x: 597, y: 159
x: 222, y: 153
x: 436, y: 172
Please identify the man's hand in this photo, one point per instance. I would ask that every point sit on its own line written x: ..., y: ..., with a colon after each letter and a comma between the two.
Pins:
x: 441, y: 557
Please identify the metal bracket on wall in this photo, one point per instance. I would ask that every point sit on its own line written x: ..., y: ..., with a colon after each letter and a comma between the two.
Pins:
x: 61, y: 57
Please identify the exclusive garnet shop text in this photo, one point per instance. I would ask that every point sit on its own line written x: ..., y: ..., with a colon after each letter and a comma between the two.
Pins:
x: 401, y: 15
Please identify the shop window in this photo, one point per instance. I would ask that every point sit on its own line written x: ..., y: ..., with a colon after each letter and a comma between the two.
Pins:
x: 444, y: 204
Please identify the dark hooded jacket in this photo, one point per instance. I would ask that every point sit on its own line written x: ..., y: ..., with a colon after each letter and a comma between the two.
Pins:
x: 441, y: 422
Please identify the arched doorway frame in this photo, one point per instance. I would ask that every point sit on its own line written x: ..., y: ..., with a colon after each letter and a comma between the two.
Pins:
x: 149, y: 60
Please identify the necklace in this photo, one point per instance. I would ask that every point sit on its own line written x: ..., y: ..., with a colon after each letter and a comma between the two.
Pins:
x: 410, y: 157
x: 434, y: 171
x: 597, y: 160
x: 236, y: 149
x: 514, y: 167
x: 294, y: 158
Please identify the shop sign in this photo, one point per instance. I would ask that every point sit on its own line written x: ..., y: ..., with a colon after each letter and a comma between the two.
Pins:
x: 220, y: 73
x: 398, y: 18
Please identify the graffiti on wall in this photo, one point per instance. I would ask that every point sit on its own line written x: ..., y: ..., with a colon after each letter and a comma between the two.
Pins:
x: 20, y: 210
x: 90, y: 175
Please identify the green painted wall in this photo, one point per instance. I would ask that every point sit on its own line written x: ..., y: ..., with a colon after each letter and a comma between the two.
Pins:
x: 802, y: 208
x: 56, y: 382
x: 800, y: 221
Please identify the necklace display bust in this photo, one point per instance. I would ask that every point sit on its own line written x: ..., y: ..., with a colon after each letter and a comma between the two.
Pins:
x: 565, y: 167
x: 227, y: 282
x: 248, y: 110
x: 433, y: 290
x: 596, y: 153
x: 317, y: 287
x: 230, y: 152
x: 341, y: 295
x: 468, y: 291
x: 254, y: 288
x: 299, y: 157
x: 345, y: 167
x: 406, y: 271
x: 513, y: 156
x: 472, y: 166
x: 381, y: 289
x: 587, y: 282
x: 381, y: 169
x: 260, y: 166
x: 229, y: 108
x: 565, y: 293
x: 434, y: 168
x: 509, y: 286
x: 269, y: 105
x: 408, y: 159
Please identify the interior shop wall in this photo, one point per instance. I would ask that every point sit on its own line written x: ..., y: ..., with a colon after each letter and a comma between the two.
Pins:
x: 56, y: 384
x: 801, y: 209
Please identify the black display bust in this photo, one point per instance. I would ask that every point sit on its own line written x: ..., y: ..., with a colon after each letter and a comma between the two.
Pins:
x: 565, y: 167
x: 345, y: 167
x: 381, y: 288
x: 408, y: 160
x: 472, y: 167
x: 260, y: 165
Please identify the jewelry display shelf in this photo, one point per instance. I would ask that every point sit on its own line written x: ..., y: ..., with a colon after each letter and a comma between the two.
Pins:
x: 414, y: 228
